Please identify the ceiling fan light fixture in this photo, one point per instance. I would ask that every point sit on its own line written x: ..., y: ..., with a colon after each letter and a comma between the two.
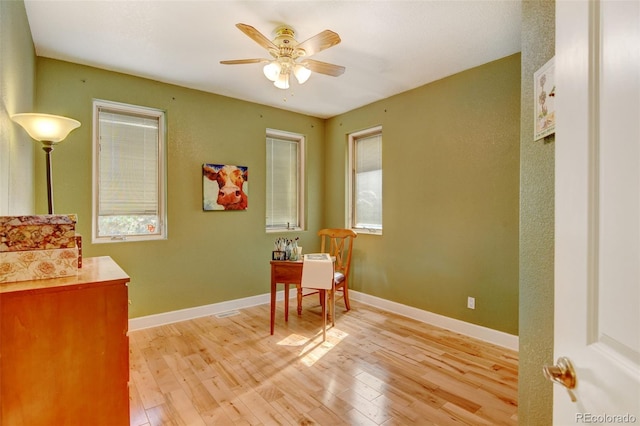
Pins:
x: 302, y: 73
x: 283, y: 81
x: 272, y: 70
x: 285, y: 51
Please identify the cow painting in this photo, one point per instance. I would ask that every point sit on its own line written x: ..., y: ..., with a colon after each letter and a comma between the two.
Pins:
x: 224, y: 187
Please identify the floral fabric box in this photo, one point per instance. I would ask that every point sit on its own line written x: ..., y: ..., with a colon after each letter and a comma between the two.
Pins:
x: 38, y: 232
x: 38, y: 264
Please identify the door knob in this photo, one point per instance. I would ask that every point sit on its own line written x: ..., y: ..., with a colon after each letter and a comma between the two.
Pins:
x: 563, y: 374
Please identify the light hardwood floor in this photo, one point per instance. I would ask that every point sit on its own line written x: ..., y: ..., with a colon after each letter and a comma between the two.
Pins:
x: 376, y: 368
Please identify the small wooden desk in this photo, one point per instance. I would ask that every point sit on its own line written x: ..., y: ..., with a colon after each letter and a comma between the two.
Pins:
x: 284, y: 272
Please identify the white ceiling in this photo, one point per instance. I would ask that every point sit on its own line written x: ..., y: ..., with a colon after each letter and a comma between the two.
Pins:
x: 387, y: 47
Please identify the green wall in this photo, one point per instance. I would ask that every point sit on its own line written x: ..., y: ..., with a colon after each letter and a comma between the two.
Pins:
x: 209, y: 256
x: 17, y: 94
x: 536, y: 225
x: 450, y: 203
x: 170, y: 274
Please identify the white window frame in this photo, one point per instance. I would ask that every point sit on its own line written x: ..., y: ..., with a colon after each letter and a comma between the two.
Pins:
x: 127, y: 109
x: 351, y: 181
x: 300, y: 140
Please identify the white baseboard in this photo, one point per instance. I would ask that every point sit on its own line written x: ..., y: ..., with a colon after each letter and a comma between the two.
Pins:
x: 200, y: 311
x: 472, y: 330
x: 489, y: 335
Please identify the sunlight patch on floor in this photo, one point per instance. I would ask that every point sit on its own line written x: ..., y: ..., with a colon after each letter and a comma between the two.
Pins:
x: 313, y: 349
x: 293, y: 340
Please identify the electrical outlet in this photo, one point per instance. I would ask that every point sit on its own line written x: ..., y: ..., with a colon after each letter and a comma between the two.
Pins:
x: 471, y: 302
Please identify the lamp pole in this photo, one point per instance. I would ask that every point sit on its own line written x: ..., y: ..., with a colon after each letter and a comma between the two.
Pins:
x: 48, y: 147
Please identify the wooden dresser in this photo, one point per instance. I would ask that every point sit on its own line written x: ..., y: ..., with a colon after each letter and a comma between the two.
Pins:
x: 64, y: 349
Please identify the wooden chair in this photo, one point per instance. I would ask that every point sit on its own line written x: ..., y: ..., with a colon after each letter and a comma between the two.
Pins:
x: 338, y: 243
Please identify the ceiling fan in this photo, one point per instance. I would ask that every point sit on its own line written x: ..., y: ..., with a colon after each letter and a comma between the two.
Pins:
x: 289, y: 56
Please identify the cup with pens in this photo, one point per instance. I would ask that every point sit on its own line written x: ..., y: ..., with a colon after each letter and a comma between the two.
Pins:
x: 286, y: 249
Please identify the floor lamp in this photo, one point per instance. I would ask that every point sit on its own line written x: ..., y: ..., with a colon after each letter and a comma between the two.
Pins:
x: 49, y: 130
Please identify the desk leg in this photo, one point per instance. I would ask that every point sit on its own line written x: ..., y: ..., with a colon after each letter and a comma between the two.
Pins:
x: 286, y: 302
x: 273, y: 298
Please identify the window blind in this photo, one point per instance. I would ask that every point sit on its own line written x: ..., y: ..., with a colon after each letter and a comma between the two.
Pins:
x: 282, y: 183
x: 368, y: 182
x: 128, y: 167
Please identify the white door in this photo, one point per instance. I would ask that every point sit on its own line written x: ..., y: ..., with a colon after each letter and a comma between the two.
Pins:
x: 597, y: 248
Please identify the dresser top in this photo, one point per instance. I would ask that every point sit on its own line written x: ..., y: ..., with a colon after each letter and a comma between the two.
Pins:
x: 95, y: 270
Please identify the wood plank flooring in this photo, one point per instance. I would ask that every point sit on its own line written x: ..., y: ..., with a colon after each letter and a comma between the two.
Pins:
x: 376, y: 368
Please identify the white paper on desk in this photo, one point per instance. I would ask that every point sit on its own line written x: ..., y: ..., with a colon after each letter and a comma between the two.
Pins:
x: 317, y: 271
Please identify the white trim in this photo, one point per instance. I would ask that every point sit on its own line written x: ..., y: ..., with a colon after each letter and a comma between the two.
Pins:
x: 200, y: 311
x: 472, y: 330
x: 489, y: 335
x: 142, y: 111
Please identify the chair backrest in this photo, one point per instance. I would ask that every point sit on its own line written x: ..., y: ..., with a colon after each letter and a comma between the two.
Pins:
x: 338, y: 242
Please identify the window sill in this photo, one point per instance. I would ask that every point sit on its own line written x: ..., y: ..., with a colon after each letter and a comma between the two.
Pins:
x: 280, y: 230
x: 367, y: 231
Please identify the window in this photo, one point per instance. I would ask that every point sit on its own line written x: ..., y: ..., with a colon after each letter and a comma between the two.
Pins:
x: 365, y: 181
x: 285, y: 177
x: 128, y: 173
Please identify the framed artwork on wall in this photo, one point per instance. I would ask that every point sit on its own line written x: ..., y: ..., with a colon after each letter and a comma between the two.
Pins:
x: 224, y: 187
x: 544, y: 100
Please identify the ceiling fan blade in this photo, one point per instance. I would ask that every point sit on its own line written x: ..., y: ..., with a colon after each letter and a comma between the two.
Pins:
x: 323, y: 67
x: 257, y: 36
x: 319, y: 42
x: 244, y: 61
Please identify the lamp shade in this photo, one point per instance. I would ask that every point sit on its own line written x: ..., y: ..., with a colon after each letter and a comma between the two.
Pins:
x: 46, y: 127
x: 283, y: 81
x: 302, y: 73
x: 272, y: 70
